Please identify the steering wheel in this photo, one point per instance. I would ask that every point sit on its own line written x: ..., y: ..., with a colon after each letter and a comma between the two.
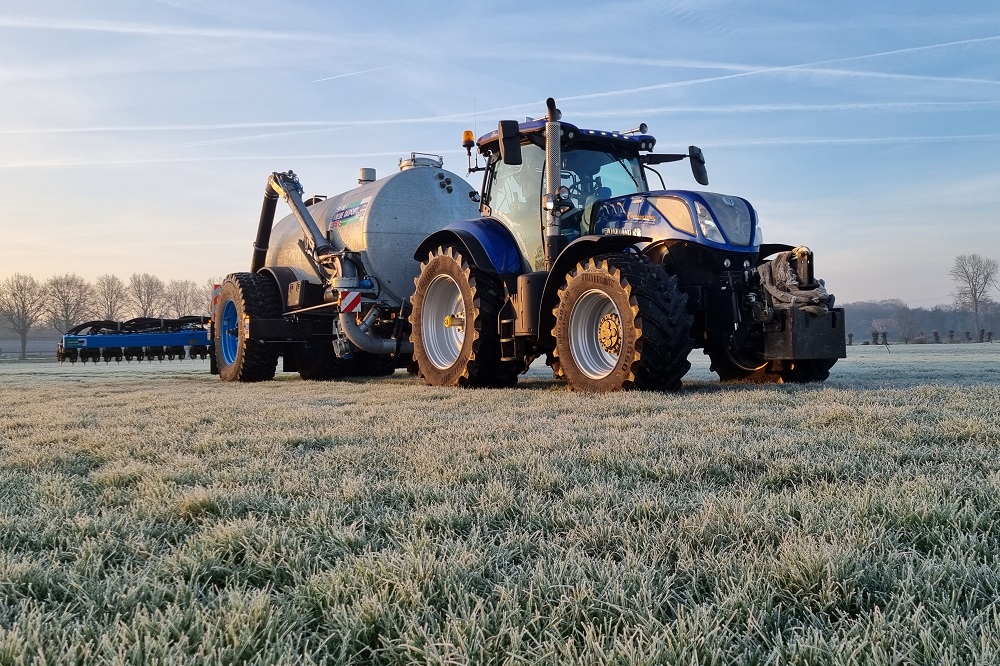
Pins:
x: 575, y: 186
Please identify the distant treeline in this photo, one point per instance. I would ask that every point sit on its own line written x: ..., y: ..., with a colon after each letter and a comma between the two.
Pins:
x: 29, y: 306
x: 903, y: 324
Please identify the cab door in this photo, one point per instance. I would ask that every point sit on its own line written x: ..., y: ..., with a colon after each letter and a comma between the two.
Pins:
x: 515, y: 198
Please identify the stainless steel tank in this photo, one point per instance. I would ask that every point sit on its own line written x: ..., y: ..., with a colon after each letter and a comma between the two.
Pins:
x: 385, y: 221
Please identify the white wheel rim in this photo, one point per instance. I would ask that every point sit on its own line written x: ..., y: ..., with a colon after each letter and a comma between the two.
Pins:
x: 442, y: 322
x: 595, y: 334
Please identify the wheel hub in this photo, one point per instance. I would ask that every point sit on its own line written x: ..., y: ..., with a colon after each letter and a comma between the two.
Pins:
x: 442, y: 322
x: 609, y: 333
x: 595, y: 334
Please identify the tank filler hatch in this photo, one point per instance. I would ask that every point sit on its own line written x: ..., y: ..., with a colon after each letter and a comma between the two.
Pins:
x: 419, y: 160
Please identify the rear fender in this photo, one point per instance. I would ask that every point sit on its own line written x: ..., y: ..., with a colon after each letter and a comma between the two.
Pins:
x: 581, y: 249
x: 487, y: 241
x: 284, y: 276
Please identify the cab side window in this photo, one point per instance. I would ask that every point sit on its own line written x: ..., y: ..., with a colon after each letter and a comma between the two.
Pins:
x: 516, y: 200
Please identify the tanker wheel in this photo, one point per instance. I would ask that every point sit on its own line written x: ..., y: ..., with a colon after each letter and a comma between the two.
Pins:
x: 318, y: 362
x: 239, y: 357
x: 807, y: 370
x: 456, y: 338
x: 621, y: 323
x: 377, y: 365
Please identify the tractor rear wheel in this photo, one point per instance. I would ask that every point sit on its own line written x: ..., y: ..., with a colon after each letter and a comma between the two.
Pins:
x: 621, y: 323
x: 456, y: 337
x: 239, y: 357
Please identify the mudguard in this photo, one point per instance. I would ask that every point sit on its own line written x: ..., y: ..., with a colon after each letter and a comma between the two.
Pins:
x: 283, y: 276
x: 580, y: 249
x: 490, y: 244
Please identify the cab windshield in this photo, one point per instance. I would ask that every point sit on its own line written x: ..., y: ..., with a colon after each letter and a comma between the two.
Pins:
x: 593, y: 176
x: 601, y: 173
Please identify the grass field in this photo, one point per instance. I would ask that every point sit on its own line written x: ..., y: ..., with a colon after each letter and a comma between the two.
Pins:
x: 153, y: 514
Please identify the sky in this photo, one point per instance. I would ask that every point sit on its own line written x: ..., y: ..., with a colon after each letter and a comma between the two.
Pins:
x: 138, y: 136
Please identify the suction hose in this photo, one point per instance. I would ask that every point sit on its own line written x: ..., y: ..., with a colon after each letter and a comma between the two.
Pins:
x: 360, y: 333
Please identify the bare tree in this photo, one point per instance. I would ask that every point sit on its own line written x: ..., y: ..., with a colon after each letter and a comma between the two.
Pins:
x: 182, y: 298
x: 110, y: 297
x: 208, y: 296
x: 22, y: 303
x: 907, y: 324
x: 146, y: 295
x: 68, y: 301
x: 974, y: 276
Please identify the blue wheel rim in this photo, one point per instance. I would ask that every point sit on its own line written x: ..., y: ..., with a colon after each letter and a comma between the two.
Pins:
x: 229, y: 338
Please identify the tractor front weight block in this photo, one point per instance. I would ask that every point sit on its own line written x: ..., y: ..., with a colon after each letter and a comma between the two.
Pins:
x: 796, y: 335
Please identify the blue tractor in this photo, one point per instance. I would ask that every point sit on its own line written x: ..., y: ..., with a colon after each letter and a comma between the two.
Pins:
x: 613, y: 282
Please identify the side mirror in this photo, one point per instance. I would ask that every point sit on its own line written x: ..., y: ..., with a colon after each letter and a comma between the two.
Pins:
x: 510, y: 142
x: 698, y: 165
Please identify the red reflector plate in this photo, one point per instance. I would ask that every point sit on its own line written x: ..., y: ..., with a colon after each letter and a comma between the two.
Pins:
x: 350, y: 301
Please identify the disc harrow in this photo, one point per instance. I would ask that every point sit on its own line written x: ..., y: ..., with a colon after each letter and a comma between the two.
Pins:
x: 143, y: 338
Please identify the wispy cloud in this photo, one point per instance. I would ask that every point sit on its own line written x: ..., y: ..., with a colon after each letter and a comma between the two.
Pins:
x: 303, y: 125
x: 155, y: 30
x: 62, y: 164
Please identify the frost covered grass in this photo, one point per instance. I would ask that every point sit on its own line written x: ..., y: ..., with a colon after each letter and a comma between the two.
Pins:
x: 155, y: 514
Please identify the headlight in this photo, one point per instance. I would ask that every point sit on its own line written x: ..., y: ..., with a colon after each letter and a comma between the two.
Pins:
x: 709, y: 228
x: 758, y: 236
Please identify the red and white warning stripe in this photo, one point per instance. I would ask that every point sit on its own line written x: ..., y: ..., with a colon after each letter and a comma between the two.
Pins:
x: 350, y: 301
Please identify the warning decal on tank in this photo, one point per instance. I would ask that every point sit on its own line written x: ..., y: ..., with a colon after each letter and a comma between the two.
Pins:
x: 348, y: 213
x: 350, y: 301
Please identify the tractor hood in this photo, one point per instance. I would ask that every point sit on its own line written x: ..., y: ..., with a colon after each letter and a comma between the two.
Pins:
x: 714, y: 220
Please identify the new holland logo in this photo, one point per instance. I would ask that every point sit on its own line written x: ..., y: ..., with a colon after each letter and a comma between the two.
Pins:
x: 729, y: 201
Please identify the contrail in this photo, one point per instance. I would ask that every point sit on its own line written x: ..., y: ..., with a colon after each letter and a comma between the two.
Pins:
x: 338, y: 156
x: 850, y: 141
x: 266, y: 135
x: 781, y: 68
x: 365, y: 71
x: 779, y: 108
x: 306, y: 126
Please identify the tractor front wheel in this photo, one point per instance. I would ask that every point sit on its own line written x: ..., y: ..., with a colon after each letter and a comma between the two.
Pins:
x: 621, y: 323
x: 239, y: 357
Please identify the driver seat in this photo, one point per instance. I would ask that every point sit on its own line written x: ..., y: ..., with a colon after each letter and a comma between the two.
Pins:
x: 589, y: 206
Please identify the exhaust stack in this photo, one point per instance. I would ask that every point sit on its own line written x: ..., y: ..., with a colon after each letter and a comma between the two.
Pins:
x: 553, y: 169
